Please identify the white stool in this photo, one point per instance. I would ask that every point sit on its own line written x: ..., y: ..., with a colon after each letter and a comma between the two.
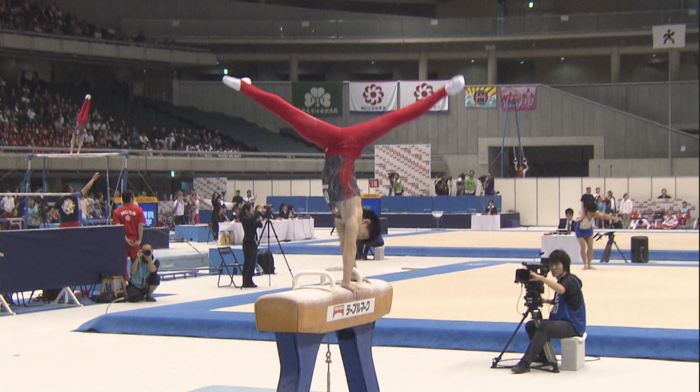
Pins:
x: 573, y: 353
x: 378, y: 252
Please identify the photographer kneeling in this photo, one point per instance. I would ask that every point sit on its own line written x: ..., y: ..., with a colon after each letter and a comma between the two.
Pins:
x: 144, y: 276
x: 566, y: 319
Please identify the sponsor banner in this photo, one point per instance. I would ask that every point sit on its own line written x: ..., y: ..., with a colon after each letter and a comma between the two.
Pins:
x: 523, y: 97
x: 350, y: 309
x: 410, y: 161
x: 373, y: 96
x: 318, y: 98
x: 669, y: 36
x: 481, y: 97
x: 414, y: 91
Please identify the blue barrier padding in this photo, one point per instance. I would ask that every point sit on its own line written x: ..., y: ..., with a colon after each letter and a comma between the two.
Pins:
x: 205, y: 216
x: 195, y: 233
x: 396, y: 204
x: 39, y: 259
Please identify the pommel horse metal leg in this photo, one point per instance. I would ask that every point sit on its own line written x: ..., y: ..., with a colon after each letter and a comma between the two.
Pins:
x: 301, y: 317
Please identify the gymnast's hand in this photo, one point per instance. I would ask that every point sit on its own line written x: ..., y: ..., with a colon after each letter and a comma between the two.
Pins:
x: 353, y: 288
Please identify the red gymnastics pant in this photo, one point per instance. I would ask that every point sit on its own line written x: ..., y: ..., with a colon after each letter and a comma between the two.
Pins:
x: 83, y: 115
x: 348, y: 141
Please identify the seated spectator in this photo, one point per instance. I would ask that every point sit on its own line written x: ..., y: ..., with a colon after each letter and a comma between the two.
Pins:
x: 641, y: 223
x: 32, y: 213
x: 364, y: 247
x: 664, y: 194
x: 283, y: 212
x: 684, y: 215
x: 670, y: 221
x: 491, y: 208
x: 144, y: 276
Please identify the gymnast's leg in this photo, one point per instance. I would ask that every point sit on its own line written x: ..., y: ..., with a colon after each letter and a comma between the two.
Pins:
x: 309, y: 127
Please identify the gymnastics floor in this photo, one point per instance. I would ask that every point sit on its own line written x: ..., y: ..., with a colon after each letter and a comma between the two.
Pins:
x: 661, y: 295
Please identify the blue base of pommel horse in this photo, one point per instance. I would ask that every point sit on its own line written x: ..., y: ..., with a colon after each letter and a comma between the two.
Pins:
x: 301, y: 317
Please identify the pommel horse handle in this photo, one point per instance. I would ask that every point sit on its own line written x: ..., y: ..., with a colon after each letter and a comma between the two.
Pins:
x: 325, y: 275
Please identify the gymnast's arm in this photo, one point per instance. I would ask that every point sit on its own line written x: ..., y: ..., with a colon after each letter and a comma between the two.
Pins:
x: 348, y: 228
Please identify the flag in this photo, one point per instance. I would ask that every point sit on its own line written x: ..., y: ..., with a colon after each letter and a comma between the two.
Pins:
x: 668, y: 36
x: 414, y: 91
x: 318, y: 98
x: 523, y: 97
x: 480, y: 97
x: 373, y: 96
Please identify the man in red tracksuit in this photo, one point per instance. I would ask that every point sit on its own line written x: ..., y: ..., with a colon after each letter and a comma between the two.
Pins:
x: 131, y: 216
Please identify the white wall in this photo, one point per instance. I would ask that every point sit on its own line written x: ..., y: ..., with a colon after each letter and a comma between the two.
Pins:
x: 540, y: 201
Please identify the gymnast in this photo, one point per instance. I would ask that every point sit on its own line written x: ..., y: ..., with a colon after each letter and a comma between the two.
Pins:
x: 79, y: 132
x: 342, y: 146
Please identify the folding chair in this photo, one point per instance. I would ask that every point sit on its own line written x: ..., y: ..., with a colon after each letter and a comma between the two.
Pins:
x: 230, y: 268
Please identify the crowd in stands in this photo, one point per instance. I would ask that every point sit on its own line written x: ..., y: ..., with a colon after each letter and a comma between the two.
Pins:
x: 33, y: 16
x: 33, y: 115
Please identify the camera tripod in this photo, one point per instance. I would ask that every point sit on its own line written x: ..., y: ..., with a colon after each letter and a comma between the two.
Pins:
x: 548, y: 349
x: 605, y: 258
x: 270, y: 228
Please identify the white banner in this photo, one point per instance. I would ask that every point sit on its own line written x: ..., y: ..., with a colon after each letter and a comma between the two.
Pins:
x: 373, y: 96
x: 669, y: 36
x: 413, y: 91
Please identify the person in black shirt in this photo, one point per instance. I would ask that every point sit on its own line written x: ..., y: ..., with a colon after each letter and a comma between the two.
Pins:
x: 251, y: 221
x: 283, y: 212
x: 237, y: 199
x: 587, y: 198
x: 216, y: 214
x: 491, y: 208
x: 442, y: 186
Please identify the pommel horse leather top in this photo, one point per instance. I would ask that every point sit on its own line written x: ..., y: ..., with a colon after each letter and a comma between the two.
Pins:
x: 322, y: 308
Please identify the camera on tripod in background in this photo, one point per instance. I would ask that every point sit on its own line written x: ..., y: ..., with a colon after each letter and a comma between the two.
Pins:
x: 533, y: 289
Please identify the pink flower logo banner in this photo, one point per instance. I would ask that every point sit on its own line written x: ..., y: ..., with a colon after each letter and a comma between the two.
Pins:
x: 414, y: 91
x: 374, y: 97
x: 520, y: 97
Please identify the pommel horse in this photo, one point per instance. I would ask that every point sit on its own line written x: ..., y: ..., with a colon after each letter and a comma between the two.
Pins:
x: 300, y: 317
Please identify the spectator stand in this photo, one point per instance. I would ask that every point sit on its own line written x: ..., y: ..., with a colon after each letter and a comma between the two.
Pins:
x: 120, y: 181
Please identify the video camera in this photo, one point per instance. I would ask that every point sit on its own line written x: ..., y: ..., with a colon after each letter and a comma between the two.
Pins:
x: 534, y: 289
x: 610, y: 234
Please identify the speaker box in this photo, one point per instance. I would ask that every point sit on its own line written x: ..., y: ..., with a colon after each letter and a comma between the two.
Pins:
x: 640, y: 249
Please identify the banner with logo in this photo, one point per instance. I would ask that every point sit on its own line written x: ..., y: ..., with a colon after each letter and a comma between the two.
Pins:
x: 520, y: 97
x: 318, y: 98
x: 481, y: 97
x: 373, y: 96
x: 668, y: 36
x: 414, y: 91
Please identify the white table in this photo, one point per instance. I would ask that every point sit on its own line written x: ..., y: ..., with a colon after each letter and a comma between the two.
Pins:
x: 289, y: 230
x: 236, y: 230
x: 486, y: 222
x: 566, y: 242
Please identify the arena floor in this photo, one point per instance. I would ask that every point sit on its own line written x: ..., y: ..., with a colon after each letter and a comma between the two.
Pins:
x: 40, y: 351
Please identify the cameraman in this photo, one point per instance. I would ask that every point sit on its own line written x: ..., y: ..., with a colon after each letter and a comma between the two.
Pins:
x: 251, y: 220
x: 566, y: 319
x: 144, y: 275
x: 442, y: 186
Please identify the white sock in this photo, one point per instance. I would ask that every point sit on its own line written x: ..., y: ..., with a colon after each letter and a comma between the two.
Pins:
x: 455, y: 85
x: 234, y: 83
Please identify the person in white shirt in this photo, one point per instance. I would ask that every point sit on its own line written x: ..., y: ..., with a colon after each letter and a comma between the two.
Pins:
x: 641, y: 223
x: 249, y: 198
x: 179, y: 208
x: 670, y: 221
x: 8, y: 209
x: 626, y: 207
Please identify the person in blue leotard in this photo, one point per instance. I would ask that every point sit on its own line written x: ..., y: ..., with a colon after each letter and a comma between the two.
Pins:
x: 584, y: 230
